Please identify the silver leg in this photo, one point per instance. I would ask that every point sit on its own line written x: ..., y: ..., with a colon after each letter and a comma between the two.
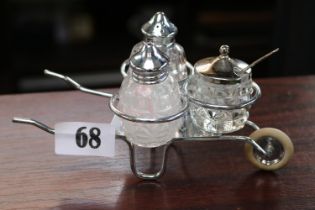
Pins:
x: 147, y: 176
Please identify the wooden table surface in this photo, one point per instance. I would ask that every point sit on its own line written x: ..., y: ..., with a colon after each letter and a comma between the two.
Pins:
x: 199, y: 175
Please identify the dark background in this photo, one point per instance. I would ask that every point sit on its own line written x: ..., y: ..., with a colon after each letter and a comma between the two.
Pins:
x: 89, y: 39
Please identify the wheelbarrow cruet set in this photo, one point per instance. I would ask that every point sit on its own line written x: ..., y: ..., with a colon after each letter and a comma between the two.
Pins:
x: 164, y: 99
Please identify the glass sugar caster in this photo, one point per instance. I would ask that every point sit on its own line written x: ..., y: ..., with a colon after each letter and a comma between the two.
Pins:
x: 219, y: 81
x: 161, y: 32
x: 149, y: 91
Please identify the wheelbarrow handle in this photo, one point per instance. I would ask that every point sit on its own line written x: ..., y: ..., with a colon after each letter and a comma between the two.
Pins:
x: 77, y: 85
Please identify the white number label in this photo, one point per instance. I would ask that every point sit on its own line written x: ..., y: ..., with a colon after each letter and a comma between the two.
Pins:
x: 82, y: 138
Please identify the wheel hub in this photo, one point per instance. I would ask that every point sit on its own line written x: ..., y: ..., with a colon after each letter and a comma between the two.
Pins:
x: 273, y: 148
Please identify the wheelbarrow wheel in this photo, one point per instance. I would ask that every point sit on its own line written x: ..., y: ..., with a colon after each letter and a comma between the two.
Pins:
x: 277, y: 144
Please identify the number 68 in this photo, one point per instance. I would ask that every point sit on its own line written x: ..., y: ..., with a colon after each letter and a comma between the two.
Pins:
x: 82, y: 138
